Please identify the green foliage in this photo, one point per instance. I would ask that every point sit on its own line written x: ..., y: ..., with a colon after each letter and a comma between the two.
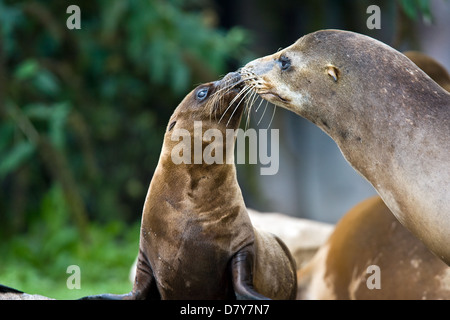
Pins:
x: 51, y: 245
x: 37, y: 263
x: 15, y: 157
x: 169, y: 40
x: 412, y: 8
x: 10, y: 18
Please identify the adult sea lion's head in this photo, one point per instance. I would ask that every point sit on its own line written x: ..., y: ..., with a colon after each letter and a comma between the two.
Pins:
x: 329, y: 76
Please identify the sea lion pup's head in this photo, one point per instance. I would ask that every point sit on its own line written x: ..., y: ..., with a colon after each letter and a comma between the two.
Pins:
x: 216, y: 103
x: 202, y: 128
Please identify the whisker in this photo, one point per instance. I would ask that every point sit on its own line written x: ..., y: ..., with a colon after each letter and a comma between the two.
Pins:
x: 247, y: 122
x: 218, y: 96
x: 252, y: 99
x: 235, y: 108
x: 246, y: 93
x: 212, y: 103
x: 234, y: 99
x: 273, y: 115
x: 250, y: 102
x: 265, y: 108
x: 249, y: 91
x: 262, y: 100
x: 228, y: 87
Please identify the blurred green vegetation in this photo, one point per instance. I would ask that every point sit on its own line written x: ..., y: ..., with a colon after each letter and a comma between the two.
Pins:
x: 82, y: 115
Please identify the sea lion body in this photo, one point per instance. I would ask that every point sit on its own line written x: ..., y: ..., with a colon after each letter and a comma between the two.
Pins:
x: 191, y: 253
x: 197, y: 240
x: 390, y: 120
x: 370, y: 235
x: 371, y: 256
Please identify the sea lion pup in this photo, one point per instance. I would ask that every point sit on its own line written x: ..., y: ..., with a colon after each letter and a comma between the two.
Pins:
x: 390, y: 120
x: 369, y: 235
x: 196, y: 240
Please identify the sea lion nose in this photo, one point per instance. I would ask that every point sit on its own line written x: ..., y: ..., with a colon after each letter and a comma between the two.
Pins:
x: 259, y: 66
x: 232, y: 77
x: 236, y: 76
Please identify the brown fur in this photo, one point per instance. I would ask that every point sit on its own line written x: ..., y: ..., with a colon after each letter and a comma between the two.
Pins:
x: 390, y: 120
x: 431, y: 67
x: 369, y: 234
x: 195, y: 220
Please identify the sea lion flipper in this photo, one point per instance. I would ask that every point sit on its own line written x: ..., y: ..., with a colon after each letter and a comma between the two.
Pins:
x: 241, y: 268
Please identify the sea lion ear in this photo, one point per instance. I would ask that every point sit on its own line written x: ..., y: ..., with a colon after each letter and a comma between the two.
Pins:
x: 333, y: 72
x: 171, y: 125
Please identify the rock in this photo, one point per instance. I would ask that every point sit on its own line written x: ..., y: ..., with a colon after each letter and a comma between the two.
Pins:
x: 22, y: 296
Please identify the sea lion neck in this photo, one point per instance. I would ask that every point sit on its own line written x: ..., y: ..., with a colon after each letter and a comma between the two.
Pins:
x: 375, y: 129
x: 200, y: 188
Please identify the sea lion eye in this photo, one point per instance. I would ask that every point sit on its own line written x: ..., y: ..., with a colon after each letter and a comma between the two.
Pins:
x: 202, y: 93
x: 285, y: 63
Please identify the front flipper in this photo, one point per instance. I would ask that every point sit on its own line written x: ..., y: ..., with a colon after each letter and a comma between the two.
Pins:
x: 242, y: 272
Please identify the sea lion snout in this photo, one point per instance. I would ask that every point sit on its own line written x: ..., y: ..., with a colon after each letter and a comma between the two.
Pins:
x: 261, y: 66
x: 232, y: 79
x: 232, y: 76
x: 263, y: 76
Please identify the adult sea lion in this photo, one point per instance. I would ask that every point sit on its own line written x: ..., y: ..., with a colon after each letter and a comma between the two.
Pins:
x: 196, y: 240
x: 370, y: 235
x: 390, y: 120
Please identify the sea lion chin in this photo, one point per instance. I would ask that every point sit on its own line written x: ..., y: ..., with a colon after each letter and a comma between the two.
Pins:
x: 390, y: 120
